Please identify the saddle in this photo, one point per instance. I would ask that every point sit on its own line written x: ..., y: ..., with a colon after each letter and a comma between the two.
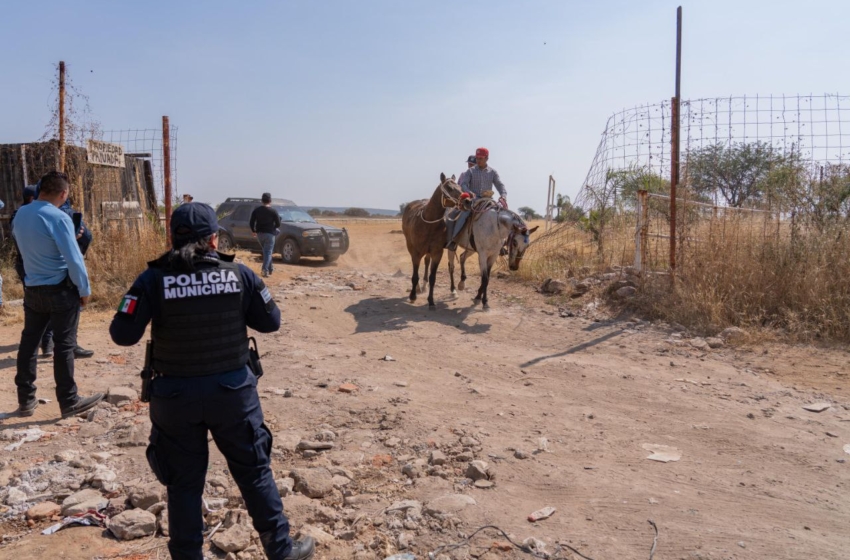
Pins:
x: 477, y: 207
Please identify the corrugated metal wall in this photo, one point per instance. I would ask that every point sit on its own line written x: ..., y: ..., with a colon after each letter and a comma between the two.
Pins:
x: 91, y: 185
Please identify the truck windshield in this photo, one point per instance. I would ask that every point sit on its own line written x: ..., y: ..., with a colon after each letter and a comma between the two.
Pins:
x: 294, y: 215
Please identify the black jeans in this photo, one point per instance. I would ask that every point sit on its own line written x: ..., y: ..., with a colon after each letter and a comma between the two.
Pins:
x: 59, y: 306
x: 183, y: 410
x: 48, y: 332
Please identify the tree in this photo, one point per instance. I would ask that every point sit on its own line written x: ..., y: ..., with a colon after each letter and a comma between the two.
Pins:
x: 401, y: 208
x: 528, y: 213
x: 566, y: 212
x: 314, y: 212
x: 329, y: 213
x: 742, y: 173
x: 356, y: 213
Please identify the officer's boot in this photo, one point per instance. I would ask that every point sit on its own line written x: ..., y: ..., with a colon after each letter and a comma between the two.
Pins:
x: 302, y: 549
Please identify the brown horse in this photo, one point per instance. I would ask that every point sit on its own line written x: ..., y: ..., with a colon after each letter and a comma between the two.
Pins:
x: 425, y: 232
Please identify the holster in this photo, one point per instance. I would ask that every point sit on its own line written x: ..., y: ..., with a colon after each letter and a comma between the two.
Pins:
x: 254, y: 358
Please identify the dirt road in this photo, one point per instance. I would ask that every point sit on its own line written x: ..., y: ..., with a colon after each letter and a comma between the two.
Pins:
x: 559, y: 408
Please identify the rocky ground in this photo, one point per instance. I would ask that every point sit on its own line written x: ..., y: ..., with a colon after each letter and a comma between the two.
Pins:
x: 400, y: 431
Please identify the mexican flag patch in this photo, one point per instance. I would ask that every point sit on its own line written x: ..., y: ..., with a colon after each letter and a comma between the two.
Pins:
x: 128, y: 305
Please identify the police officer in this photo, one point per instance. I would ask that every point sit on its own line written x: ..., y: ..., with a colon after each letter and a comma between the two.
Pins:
x: 199, y: 303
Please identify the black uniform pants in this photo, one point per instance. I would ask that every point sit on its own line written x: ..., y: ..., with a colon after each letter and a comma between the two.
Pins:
x: 58, y: 306
x: 183, y: 410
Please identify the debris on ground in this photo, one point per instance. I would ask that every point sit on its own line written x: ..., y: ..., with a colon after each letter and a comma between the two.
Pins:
x: 662, y: 453
x: 540, y: 514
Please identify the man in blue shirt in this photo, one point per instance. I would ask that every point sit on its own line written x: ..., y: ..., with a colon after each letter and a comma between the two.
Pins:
x: 56, y: 286
x: 84, y: 238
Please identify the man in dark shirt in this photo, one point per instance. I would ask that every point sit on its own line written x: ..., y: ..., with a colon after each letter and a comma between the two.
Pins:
x: 265, y: 225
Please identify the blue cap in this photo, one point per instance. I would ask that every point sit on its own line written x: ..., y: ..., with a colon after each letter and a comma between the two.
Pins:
x: 471, y: 159
x: 192, y: 222
x: 30, y: 192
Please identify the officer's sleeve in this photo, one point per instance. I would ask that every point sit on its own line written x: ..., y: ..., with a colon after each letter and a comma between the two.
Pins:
x: 261, y: 311
x: 134, y: 312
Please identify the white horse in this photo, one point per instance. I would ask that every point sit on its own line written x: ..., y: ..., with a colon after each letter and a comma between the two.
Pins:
x: 491, y: 226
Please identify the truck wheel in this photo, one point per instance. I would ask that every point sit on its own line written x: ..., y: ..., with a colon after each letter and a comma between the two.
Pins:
x: 289, y: 252
x: 331, y: 258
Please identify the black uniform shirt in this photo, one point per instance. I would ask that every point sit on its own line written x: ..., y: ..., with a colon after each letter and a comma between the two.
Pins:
x: 141, y: 304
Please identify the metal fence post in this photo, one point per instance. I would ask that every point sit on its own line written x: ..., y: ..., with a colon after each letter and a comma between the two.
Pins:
x: 674, y: 141
x: 62, y: 116
x: 641, y: 230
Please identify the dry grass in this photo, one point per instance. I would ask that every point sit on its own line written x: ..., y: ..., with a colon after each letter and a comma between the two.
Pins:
x: 114, y: 260
x: 749, y: 272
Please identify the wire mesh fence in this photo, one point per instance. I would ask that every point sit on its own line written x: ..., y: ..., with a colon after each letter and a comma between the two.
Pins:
x: 147, y: 144
x: 783, y: 160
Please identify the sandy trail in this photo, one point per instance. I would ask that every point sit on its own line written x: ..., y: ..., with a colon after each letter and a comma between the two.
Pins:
x: 759, y: 477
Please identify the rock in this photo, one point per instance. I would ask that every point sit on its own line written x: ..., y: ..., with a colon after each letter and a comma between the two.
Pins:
x: 733, y: 335
x: 540, y: 514
x: 145, y: 496
x: 285, y: 486
x: 66, y: 456
x: 699, y: 343
x: 437, y: 458
x: 817, y: 407
x: 315, y: 445
x: 467, y: 441
x: 101, y: 457
x: 348, y: 388
x: 411, y: 471
x: 450, y: 503
x: 404, y: 540
x: 520, y: 454
x: 233, y: 539
x: 392, y: 442
x: 287, y: 441
x: 15, y: 497
x: 662, y: 453
x: 44, y: 510
x: 162, y: 523
x: 552, y: 286
x: 158, y: 508
x: 120, y: 395
x: 133, y: 524
x: 388, y: 358
x: 320, y: 536
x: 714, y: 342
x: 340, y: 481
x: 314, y: 483
x: 477, y: 470
x: 400, y: 383
x: 136, y: 436
x: 626, y: 292
x: 484, y: 484
x: 82, y: 501
x: 102, y: 476
x: 411, y: 507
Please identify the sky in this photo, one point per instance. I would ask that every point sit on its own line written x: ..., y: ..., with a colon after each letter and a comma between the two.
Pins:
x: 364, y: 103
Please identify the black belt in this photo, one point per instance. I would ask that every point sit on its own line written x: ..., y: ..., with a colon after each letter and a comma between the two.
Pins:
x: 66, y: 283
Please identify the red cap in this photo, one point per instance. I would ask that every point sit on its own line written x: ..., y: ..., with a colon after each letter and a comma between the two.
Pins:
x: 482, y: 152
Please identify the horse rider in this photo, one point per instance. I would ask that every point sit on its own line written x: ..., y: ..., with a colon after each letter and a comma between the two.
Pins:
x: 474, y: 182
x: 470, y: 163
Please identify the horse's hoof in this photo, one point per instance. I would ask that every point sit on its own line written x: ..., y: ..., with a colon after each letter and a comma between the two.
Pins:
x: 486, y: 307
x: 432, y: 307
x: 461, y: 286
x: 420, y: 290
x: 454, y: 293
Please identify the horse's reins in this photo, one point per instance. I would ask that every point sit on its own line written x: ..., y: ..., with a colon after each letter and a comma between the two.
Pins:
x: 445, y: 195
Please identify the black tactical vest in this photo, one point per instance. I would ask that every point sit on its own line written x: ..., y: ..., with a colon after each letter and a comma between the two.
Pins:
x: 201, y: 325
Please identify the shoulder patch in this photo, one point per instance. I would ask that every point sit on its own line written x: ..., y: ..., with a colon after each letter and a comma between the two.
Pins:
x: 267, y: 296
x: 129, y: 302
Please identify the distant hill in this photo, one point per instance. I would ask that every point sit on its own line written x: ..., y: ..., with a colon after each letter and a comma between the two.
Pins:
x: 341, y: 209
